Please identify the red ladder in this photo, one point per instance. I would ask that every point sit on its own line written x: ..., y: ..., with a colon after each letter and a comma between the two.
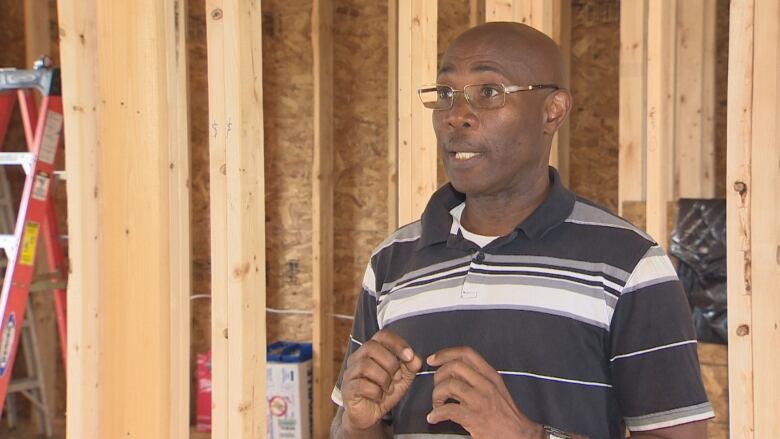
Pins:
x: 36, y: 216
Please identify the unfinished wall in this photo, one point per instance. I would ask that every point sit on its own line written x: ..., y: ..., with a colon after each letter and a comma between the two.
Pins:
x: 360, y: 101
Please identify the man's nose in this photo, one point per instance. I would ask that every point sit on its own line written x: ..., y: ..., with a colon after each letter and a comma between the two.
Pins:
x: 461, y: 114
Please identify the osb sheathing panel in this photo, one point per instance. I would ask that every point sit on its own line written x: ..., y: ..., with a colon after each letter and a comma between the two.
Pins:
x: 453, y: 20
x: 594, y: 84
x: 721, y: 73
x: 200, y: 335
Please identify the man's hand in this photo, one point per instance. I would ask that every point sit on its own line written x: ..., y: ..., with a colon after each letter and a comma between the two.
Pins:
x: 484, y: 405
x: 378, y: 375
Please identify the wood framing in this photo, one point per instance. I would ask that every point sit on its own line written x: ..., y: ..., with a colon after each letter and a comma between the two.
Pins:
x: 417, y: 63
x: 695, y: 100
x: 753, y: 216
x: 322, y: 217
x: 128, y: 197
x: 392, y: 115
x: 553, y: 17
x: 180, y: 250
x: 78, y: 57
x: 660, y: 115
x: 237, y: 217
x: 632, y: 132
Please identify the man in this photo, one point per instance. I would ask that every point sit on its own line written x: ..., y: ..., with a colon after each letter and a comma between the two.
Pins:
x: 515, y: 309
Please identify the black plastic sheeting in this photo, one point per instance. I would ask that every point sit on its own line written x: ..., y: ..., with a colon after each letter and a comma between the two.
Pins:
x: 699, y: 243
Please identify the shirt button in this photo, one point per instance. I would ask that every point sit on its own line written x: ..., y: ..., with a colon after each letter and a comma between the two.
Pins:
x: 480, y: 257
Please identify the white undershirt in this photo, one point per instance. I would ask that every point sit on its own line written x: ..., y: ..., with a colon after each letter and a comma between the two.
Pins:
x: 480, y: 240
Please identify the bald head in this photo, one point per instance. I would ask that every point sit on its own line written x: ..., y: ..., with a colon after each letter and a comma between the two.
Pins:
x: 531, y: 56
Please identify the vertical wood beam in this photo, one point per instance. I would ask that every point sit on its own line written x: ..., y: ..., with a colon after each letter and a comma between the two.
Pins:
x: 78, y: 57
x: 37, y: 40
x: 552, y: 17
x: 764, y: 225
x: 632, y: 131
x: 179, y: 218
x: 237, y: 217
x: 392, y: 115
x: 695, y: 99
x: 660, y: 115
x: 138, y: 342
x: 417, y: 22
x: 322, y: 190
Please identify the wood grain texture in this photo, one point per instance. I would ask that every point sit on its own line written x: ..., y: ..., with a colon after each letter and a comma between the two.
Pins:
x: 238, y: 217
x: 739, y: 238
x: 78, y: 48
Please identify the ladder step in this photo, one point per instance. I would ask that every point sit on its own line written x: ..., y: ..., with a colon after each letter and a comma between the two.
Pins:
x: 20, y: 384
x: 61, y: 175
x: 17, y: 158
x: 7, y: 241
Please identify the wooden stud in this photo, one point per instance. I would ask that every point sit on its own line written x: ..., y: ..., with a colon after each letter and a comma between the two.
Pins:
x: 179, y: 213
x: 553, y: 17
x: 695, y: 95
x: 78, y: 57
x: 633, y: 94
x: 417, y: 22
x: 322, y: 217
x: 392, y: 115
x: 765, y: 219
x: 137, y: 346
x: 660, y: 115
x: 237, y: 217
x: 738, y: 218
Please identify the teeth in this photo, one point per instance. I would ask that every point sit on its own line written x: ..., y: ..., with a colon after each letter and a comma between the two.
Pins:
x: 465, y: 155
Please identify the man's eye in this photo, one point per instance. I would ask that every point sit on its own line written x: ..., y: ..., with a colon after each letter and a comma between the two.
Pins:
x: 444, y: 93
x: 489, y: 91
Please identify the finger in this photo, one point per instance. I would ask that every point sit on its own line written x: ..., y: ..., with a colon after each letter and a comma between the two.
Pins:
x: 364, y: 388
x: 395, y: 344
x: 460, y: 370
x: 469, y: 356
x: 452, y: 389
x: 447, y: 412
x: 372, y: 371
x: 381, y: 355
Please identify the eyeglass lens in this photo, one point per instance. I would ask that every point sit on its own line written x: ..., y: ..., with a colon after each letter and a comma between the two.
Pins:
x: 482, y: 96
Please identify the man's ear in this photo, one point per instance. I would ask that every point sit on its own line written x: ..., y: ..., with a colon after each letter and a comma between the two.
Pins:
x: 557, y: 108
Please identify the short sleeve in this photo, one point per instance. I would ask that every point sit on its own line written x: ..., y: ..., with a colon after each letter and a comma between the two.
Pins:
x: 653, y: 360
x: 363, y: 328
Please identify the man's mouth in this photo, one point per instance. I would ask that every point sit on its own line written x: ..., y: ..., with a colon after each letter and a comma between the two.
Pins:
x: 465, y: 155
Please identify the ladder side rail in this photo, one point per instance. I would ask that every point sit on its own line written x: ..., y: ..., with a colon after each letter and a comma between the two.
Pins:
x: 29, y: 114
x: 32, y: 212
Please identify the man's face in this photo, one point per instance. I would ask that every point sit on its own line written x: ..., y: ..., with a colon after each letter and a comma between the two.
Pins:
x: 508, y: 141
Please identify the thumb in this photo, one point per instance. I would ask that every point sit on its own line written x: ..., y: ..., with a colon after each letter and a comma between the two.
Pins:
x: 410, y: 368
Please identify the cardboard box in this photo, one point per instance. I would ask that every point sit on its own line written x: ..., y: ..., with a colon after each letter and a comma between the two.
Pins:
x: 289, y: 378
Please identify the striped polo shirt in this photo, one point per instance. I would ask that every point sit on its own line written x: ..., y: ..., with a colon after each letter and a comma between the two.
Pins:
x: 580, y: 312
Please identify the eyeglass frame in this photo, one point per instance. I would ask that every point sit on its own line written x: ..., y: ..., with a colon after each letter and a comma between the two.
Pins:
x: 508, y: 89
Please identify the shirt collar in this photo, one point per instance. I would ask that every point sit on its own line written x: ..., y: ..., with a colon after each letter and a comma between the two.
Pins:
x: 437, y: 221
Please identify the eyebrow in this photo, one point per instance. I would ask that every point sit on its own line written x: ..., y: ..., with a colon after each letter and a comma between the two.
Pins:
x: 478, y: 68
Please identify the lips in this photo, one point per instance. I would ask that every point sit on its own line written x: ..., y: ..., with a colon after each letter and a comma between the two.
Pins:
x: 465, y: 155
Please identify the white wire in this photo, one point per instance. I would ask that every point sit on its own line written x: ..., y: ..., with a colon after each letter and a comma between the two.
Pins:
x: 282, y: 311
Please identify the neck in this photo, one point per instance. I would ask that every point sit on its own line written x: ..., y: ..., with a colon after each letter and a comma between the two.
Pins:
x: 499, y: 214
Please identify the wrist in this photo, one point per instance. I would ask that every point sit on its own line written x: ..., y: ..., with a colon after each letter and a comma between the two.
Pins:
x: 350, y: 431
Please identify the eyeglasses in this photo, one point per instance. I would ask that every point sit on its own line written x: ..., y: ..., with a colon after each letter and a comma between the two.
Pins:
x: 478, y: 96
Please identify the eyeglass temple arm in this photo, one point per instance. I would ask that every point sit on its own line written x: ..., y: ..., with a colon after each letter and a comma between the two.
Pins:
x: 514, y: 88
